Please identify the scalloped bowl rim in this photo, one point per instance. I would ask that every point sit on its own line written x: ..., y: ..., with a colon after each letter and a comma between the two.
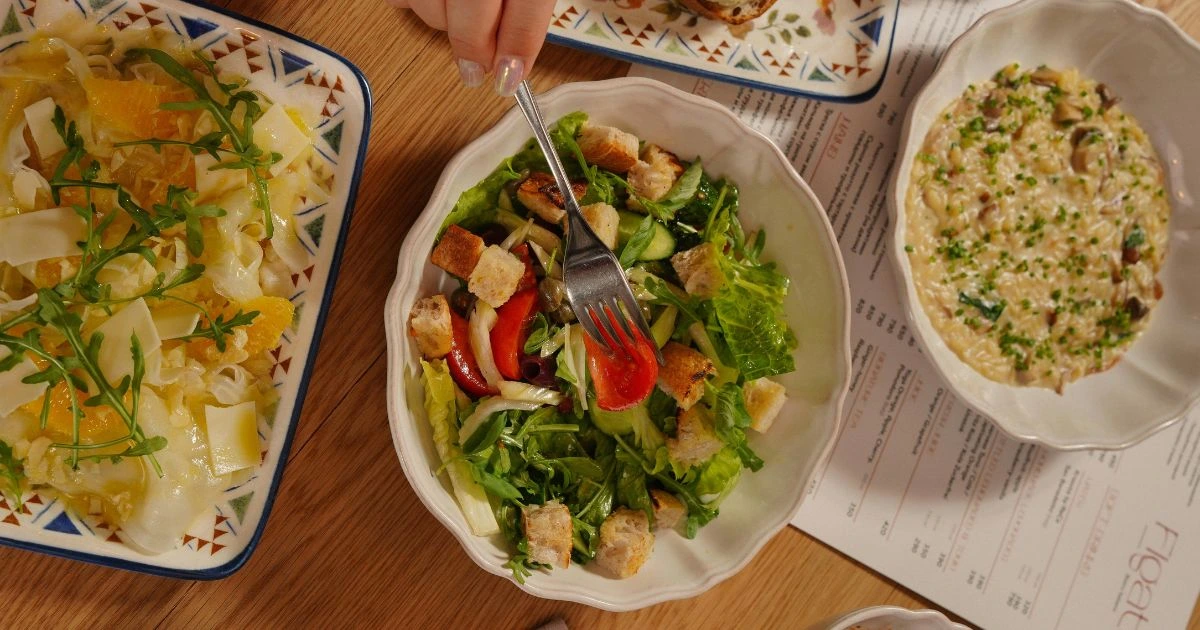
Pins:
x: 407, y: 274
x: 925, y: 334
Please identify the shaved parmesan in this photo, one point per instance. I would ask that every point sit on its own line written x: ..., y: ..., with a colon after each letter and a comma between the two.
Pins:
x: 34, y: 236
x: 211, y: 184
x: 173, y: 323
x: 40, y: 118
x: 16, y: 306
x: 232, y: 437
x: 277, y: 132
x: 116, y: 356
x: 14, y: 393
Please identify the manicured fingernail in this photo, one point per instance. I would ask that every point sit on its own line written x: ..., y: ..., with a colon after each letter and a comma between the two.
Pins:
x: 471, y: 73
x: 509, y: 73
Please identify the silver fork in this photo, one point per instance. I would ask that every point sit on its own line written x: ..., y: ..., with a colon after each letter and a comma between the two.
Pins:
x: 596, y: 285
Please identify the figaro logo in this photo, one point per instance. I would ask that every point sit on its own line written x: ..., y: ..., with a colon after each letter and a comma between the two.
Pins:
x: 1146, y: 564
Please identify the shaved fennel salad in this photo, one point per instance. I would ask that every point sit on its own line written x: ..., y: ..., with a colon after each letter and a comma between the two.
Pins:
x: 566, y: 450
x: 146, y: 249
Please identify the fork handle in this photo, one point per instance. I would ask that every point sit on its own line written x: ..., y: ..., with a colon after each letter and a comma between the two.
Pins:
x: 577, y: 226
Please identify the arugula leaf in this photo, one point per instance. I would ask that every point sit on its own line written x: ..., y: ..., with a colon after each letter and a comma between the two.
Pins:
x: 631, y: 485
x: 486, y: 435
x: 12, y: 472
x: 689, y: 307
x: 143, y: 448
x: 220, y: 328
x: 539, y: 333
x: 638, y: 243
x: 699, y: 513
x: 990, y: 312
x: 494, y: 485
x: 247, y: 154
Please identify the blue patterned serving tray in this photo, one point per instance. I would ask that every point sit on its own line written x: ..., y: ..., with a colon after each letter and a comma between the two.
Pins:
x: 336, y: 98
x: 835, y: 50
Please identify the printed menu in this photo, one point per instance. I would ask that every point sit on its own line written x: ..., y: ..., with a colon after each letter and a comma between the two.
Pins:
x: 920, y: 487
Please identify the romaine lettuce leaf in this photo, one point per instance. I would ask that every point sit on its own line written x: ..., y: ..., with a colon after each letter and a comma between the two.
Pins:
x: 476, y: 207
x: 440, y: 409
x: 718, y: 477
x: 749, y: 310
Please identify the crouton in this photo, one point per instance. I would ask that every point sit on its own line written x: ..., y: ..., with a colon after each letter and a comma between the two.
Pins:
x: 683, y: 373
x: 609, y: 148
x: 603, y: 219
x: 548, y: 529
x: 694, y: 442
x: 429, y: 324
x: 625, y: 542
x: 541, y: 195
x: 668, y: 510
x: 496, y: 277
x: 458, y: 252
x: 764, y: 400
x: 654, y: 174
x: 700, y: 270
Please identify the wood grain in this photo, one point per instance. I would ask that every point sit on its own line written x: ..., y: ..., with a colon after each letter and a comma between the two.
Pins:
x: 349, y: 542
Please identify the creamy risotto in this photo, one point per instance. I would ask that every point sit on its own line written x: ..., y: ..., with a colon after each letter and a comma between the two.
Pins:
x: 1037, y: 223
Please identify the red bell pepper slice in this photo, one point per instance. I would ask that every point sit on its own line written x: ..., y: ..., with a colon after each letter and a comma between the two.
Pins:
x: 529, y: 280
x: 463, y: 366
x: 622, y: 380
x: 513, y: 319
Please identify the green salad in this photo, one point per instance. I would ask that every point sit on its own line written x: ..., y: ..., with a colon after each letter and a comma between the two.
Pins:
x: 568, y: 451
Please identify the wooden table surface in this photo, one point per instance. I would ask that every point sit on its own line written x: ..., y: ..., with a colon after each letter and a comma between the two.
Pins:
x: 349, y: 542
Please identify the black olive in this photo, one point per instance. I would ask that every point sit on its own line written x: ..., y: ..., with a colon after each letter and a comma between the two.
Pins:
x: 493, y: 234
x: 538, y: 370
x: 462, y: 301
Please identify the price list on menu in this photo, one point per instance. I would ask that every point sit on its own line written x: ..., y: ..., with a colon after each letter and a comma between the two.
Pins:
x: 923, y: 489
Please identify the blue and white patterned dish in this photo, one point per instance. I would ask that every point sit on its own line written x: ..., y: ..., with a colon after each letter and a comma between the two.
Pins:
x: 306, y: 76
x: 835, y: 50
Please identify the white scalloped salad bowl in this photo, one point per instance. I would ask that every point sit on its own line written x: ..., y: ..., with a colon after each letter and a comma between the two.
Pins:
x: 799, y: 239
x: 1152, y: 65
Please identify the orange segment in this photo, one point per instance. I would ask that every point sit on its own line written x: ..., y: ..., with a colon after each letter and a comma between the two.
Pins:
x: 99, y: 424
x: 130, y: 106
x: 264, y: 333
x: 274, y: 316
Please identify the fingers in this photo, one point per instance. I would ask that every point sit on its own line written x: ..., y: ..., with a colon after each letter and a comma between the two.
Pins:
x: 472, y: 26
x: 431, y: 12
x: 522, y: 32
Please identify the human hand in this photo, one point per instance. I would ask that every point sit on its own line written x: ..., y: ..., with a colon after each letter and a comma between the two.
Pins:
x: 498, y: 36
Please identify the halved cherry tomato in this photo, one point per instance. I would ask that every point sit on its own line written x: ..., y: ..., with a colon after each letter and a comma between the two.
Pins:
x: 512, y: 330
x: 529, y: 280
x: 463, y: 366
x: 622, y: 381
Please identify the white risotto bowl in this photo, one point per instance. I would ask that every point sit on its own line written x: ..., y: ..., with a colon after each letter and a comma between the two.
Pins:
x: 799, y: 239
x: 1152, y: 65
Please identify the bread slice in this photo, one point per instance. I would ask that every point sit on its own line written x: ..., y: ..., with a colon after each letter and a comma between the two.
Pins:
x: 734, y: 14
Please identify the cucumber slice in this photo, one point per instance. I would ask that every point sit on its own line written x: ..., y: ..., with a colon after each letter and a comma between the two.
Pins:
x: 662, y: 245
